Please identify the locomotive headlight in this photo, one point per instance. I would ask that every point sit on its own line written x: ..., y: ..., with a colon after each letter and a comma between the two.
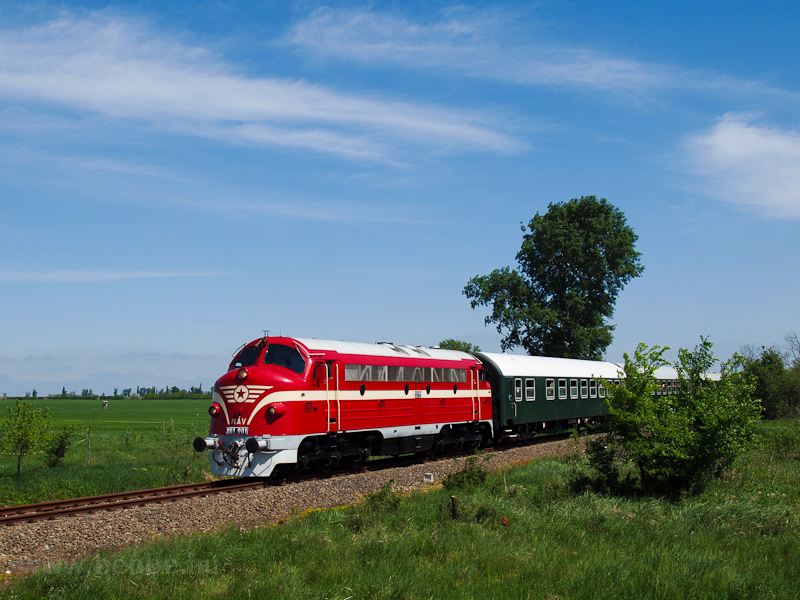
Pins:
x: 214, y: 409
x: 276, y: 410
x: 242, y: 374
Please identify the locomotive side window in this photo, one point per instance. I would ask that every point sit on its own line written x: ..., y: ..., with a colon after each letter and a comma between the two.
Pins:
x: 530, y: 389
x: 573, y: 388
x: 562, y: 389
x: 284, y: 356
x: 418, y: 374
x: 584, y: 388
x: 550, y: 389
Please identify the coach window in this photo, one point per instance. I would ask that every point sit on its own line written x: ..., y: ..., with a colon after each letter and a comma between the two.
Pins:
x: 530, y: 389
x: 592, y: 388
x: 602, y: 391
x: 584, y: 388
x: 284, y: 356
x: 517, y: 390
x: 573, y: 388
x: 562, y: 389
x: 550, y: 389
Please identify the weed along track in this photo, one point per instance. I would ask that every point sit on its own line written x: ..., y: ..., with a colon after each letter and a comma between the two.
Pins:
x: 26, y: 546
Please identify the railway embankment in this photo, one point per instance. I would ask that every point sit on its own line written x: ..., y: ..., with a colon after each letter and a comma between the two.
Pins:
x: 29, y: 546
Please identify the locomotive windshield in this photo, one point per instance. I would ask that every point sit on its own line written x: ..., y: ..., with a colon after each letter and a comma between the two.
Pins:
x: 285, y: 356
x: 247, y: 356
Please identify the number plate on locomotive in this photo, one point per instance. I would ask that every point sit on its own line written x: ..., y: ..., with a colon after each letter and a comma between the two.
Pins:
x: 236, y: 431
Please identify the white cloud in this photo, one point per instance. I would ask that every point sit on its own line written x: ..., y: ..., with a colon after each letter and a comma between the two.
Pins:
x: 67, y: 276
x: 481, y: 44
x: 119, y: 68
x: 752, y: 166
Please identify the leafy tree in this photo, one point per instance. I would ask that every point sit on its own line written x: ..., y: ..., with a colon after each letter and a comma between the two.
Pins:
x: 776, y: 385
x: 573, y: 263
x: 674, y: 442
x: 24, y: 430
x: 451, y: 344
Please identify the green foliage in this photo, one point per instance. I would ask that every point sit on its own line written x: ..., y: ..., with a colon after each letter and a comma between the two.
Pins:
x: 451, y: 344
x: 384, y: 499
x: 57, y: 446
x: 739, y: 539
x: 574, y: 261
x: 471, y: 475
x: 776, y: 385
x: 24, y: 430
x: 674, y: 443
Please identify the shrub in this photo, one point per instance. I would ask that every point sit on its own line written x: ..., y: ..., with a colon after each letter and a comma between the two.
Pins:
x: 675, y: 443
x: 470, y: 476
x: 58, y: 445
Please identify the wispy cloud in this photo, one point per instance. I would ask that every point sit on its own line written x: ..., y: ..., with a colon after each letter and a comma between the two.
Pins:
x: 500, y: 45
x: 67, y: 276
x: 120, y: 68
x: 754, y: 166
x: 481, y: 44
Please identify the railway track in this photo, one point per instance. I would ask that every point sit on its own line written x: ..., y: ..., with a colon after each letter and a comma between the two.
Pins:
x: 12, y: 515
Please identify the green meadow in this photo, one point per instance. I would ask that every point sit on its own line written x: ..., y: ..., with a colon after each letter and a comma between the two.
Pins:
x: 133, y: 444
x: 523, y: 533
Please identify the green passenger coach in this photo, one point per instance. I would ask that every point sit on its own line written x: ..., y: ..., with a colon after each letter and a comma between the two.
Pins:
x: 536, y: 394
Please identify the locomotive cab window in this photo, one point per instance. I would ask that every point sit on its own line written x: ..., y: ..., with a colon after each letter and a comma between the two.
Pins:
x: 247, y: 357
x: 285, y: 356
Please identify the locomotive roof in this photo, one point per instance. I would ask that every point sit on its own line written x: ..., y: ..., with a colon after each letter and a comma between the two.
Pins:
x: 518, y: 365
x: 384, y: 349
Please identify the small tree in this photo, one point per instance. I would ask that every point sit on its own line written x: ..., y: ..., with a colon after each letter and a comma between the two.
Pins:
x: 25, y: 430
x: 451, y: 344
x: 675, y: 442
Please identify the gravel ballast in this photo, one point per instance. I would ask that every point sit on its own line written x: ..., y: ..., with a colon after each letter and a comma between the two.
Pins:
x: 33, y: 545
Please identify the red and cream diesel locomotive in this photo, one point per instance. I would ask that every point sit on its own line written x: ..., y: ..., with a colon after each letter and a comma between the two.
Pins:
x: 292, y: 403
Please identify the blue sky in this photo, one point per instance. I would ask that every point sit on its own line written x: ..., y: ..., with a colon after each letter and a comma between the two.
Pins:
x: 177, y: 177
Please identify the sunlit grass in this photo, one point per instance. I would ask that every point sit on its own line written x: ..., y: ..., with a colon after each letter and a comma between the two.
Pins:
x: 520, y: 534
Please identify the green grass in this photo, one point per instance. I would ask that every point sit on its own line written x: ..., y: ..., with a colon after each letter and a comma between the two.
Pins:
x: 135, y: 444
x: 518, y: 534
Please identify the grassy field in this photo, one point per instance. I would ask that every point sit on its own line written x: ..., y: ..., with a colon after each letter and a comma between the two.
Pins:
x: 518, y: 534
x: 135, y: 444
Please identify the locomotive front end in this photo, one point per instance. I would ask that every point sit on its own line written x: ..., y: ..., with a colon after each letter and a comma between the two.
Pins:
x: 253, y: 427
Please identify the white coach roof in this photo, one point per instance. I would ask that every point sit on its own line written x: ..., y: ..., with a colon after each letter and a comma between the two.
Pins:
x: 384, y: 349
x: 516, y: 365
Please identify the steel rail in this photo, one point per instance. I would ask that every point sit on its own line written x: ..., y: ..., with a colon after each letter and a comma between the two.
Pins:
x: 11, y: 515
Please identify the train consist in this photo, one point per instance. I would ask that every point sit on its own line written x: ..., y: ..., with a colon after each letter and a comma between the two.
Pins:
x: 290, y: 404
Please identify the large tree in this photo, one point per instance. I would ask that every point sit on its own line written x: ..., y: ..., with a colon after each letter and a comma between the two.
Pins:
x: 574, y: 261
